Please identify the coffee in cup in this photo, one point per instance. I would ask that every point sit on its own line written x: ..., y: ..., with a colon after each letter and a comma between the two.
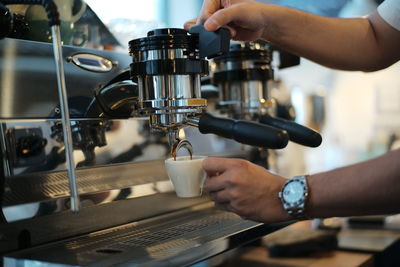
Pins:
x: 187, y: 175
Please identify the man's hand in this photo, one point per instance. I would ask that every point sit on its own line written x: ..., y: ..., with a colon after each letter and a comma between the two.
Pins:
x: 244, y: 18
x: 332, y: 42
x: 244, y: 188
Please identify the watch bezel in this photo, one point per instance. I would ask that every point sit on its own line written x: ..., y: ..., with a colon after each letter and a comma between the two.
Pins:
x: 303, y: 186
x: 297, y: 208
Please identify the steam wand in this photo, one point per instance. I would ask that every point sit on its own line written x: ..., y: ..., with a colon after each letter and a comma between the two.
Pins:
x: 65, y: 120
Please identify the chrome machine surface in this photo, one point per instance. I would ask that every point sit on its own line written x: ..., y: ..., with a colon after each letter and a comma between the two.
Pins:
x: 129, y: 212
x: 243, y: 77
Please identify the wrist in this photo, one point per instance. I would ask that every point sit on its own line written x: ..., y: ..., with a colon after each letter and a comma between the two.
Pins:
x: 271, y: 27
x: 283, y: 26
x: 278, y: 213
x: 283, y: 214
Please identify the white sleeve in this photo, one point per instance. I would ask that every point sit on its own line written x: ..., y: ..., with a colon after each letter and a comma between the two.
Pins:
x: 389, y: 10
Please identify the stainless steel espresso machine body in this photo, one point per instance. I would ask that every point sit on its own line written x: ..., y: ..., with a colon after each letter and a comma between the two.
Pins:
x: 168, y: 69
x: 242, y: 77
x: 129, y: 214
x: 168, y: 65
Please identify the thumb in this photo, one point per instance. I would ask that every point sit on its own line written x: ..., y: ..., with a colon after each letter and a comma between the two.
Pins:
x: 209, y: 7
x: 213, y: 166
x: 189, y: 24
x: 221, y: 18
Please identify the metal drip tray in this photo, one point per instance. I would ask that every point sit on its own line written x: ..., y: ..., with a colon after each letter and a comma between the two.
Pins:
x: 179, y: 238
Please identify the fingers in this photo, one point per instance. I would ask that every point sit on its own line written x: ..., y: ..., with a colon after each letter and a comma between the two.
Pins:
x: 232, y: 30
x: 224, y: 206
x: 214, y: 183
x: 223, y: 17
x: 189, y: 24
x: 209, y: 7
x: 216, y: 165
x: 221, y: 197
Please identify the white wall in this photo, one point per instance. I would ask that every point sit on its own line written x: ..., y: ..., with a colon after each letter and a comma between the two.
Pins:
x: 363, y: 109
x: 177, y: 12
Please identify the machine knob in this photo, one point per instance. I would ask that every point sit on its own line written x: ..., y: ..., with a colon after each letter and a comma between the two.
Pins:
x: 212, y: 44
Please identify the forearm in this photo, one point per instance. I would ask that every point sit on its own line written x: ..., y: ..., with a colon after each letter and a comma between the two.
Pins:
x: 371, y: 187
x: 348, y: 44
x: 365, y: 44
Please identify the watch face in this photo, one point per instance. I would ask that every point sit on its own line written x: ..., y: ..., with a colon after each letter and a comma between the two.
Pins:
x: 293, y: 192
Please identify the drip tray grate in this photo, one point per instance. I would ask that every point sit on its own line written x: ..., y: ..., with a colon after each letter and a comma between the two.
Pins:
x: 185, y: 235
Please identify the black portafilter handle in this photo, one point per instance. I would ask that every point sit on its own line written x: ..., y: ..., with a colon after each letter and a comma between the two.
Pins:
x: 297, y: 133
x: 245, y: 132
x: 212, y: 44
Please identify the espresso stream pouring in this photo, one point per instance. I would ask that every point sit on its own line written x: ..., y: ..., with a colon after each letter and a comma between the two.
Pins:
x: 182, y: 144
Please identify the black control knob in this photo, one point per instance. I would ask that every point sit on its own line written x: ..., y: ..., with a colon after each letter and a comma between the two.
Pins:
x: 212, y: 44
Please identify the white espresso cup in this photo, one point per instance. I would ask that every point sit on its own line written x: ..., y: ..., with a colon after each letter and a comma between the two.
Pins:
x: 187, y: 175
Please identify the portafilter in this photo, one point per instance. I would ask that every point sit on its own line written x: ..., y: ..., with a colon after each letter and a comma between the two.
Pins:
x: 242, y: 77
x: 168, y: 65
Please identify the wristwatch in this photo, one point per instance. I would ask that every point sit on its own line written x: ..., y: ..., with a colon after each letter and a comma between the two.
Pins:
x: 294, y: 195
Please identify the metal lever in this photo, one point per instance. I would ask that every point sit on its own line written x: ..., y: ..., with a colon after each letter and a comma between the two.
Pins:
x: 245, y: 132
x: 63, y: 98
x: 297, y: 133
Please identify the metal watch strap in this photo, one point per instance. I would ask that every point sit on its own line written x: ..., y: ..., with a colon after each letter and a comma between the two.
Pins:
x: 296, y: 210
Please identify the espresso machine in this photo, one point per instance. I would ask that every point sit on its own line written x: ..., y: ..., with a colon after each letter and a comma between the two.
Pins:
x: 125, y: 114
x: 243, y: 79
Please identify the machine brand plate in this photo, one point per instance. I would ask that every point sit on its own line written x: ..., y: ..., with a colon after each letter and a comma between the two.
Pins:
x: 92, y: 62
